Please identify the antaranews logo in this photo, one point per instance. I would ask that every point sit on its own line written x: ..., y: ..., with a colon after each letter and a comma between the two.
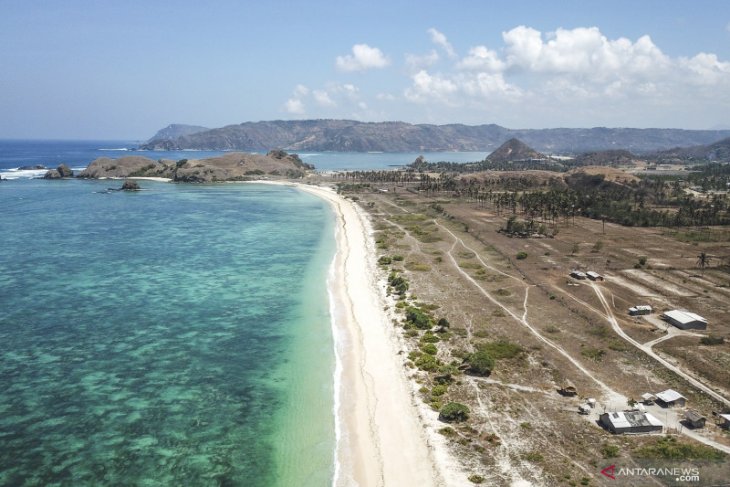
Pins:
x: 610, y: 472
x: 691, y: 474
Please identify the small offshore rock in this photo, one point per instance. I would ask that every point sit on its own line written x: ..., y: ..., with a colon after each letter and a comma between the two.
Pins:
x: 130, y: 186
x: 52, y: 174
x: 65, y: 171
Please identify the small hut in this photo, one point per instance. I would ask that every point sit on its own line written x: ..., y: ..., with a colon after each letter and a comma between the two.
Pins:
x: 568, y: 389
x: 648, y: 398
x: 694, y: 419
x: 670, y: 398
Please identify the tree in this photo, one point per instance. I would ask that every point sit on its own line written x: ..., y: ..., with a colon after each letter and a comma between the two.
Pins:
x: 703, y: 260
x: 454, y: 412
x: 480, y: 363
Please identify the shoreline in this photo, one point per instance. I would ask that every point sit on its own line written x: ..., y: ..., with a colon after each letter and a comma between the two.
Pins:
x: 380, y: 437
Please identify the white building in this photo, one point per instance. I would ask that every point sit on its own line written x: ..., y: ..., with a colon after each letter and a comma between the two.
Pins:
x: 630, y: 422
x: 671, y: 398
x: 643, y: 309
x: 685, y: 320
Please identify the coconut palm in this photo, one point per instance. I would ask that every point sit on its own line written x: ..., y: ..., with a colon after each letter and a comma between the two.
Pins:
x: 703, y: 260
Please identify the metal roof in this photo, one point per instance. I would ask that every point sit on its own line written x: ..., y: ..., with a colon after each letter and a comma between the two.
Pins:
x: 684, y: 317
x: 629, y: 419
x: 670, y: 395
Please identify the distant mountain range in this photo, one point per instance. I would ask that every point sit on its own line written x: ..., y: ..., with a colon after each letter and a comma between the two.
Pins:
x: 353, y: 136
x: 718, y: 151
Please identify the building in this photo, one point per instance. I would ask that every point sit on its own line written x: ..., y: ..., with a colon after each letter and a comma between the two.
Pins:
x: 578, y: 275
x: 648, y: 398
x: 568, y: 389
x: 670, y: 398
x: 620, y: 422
x: 684, y: 320
x: 694, y: 419
x: 594, y: 276
x: 642, y: 309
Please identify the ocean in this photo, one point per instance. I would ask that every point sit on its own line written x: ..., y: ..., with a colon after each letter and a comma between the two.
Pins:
x: 179, y: 335
x: 78, y: 155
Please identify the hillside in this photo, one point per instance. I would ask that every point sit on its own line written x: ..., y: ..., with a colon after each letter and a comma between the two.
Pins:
x: 717, y: 151
x: 230, y: 167
x: 175, y: 130
x: 514, y: 150
x: 348, y: 135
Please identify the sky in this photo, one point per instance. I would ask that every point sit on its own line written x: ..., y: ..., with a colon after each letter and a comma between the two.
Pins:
x: 117, y: 70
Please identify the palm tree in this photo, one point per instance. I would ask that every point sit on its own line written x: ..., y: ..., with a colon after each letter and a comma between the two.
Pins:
x: 703, y: 260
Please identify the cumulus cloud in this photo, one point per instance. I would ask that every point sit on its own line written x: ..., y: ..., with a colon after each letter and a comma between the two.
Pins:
x: 323, y: 98
x: 415, y: 62
x: 570, y: 64
x: 363, y: 57
x: 482, y: 58
x: 440, y: 40
x: 294, y: 106
x: 427, y: 87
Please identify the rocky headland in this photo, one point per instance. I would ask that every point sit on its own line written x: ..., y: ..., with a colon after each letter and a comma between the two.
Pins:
x: 235, y: 166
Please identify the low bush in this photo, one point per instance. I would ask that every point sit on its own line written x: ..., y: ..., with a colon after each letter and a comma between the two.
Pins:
x: 454, y: 412
x: 480, y: 363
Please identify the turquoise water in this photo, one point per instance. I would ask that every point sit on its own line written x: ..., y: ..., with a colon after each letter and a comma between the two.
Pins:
x: 175, y: 336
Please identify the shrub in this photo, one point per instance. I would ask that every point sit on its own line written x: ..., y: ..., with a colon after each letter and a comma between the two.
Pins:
x: 429, y: 337
x: 418, y: 318
x: 642, y: 260
x: 521, y: 255
x: 480, y: 363
x: 671, y: 449
x: 397, y: 258
x: 439, y: 390
x: 609, y: 451
x: 712, y: 340
x: 384, y: 260
x: 429, y: 348
x: 501, y: 349
x: 593, y: 353
x: 427, y: 362
x: 443, y: 323
x: 454, y: 412
x: 447, y: 431
x: 533, y: 456
x: 476, y: 479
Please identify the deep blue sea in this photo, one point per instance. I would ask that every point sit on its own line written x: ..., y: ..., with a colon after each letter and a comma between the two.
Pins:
x: 78, y: 155
x: 179, y: 335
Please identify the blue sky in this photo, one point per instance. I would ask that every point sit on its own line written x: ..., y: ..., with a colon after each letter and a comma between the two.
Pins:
x: 122, y: 70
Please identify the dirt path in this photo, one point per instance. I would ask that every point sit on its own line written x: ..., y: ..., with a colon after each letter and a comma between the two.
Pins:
x: 613, y: 395
x: 647, y: 350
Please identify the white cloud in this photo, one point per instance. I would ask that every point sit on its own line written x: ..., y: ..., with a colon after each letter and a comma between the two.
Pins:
x: 440, y: 40
x: 294, y: 106
x: 427, y: 87
x: 386, y: 97
x: 415, y: 62
x: 363, y: 57
x: 301, y: 90
x: 482, y: 58
x: 323, y: 98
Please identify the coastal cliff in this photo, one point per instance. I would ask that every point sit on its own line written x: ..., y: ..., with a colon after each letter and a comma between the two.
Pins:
x: 230, y: 167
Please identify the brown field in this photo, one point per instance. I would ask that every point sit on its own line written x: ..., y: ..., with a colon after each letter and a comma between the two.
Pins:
x: 520, y: 428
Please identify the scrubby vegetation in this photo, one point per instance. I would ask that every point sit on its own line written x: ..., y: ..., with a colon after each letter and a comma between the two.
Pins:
x: 454, y: 412
x: 669, y: 448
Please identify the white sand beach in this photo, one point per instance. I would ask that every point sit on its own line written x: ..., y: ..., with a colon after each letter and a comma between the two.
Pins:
x: 381, y: 441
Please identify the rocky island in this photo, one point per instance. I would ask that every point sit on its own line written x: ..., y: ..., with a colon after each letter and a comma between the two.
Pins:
x: 235, y: 166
